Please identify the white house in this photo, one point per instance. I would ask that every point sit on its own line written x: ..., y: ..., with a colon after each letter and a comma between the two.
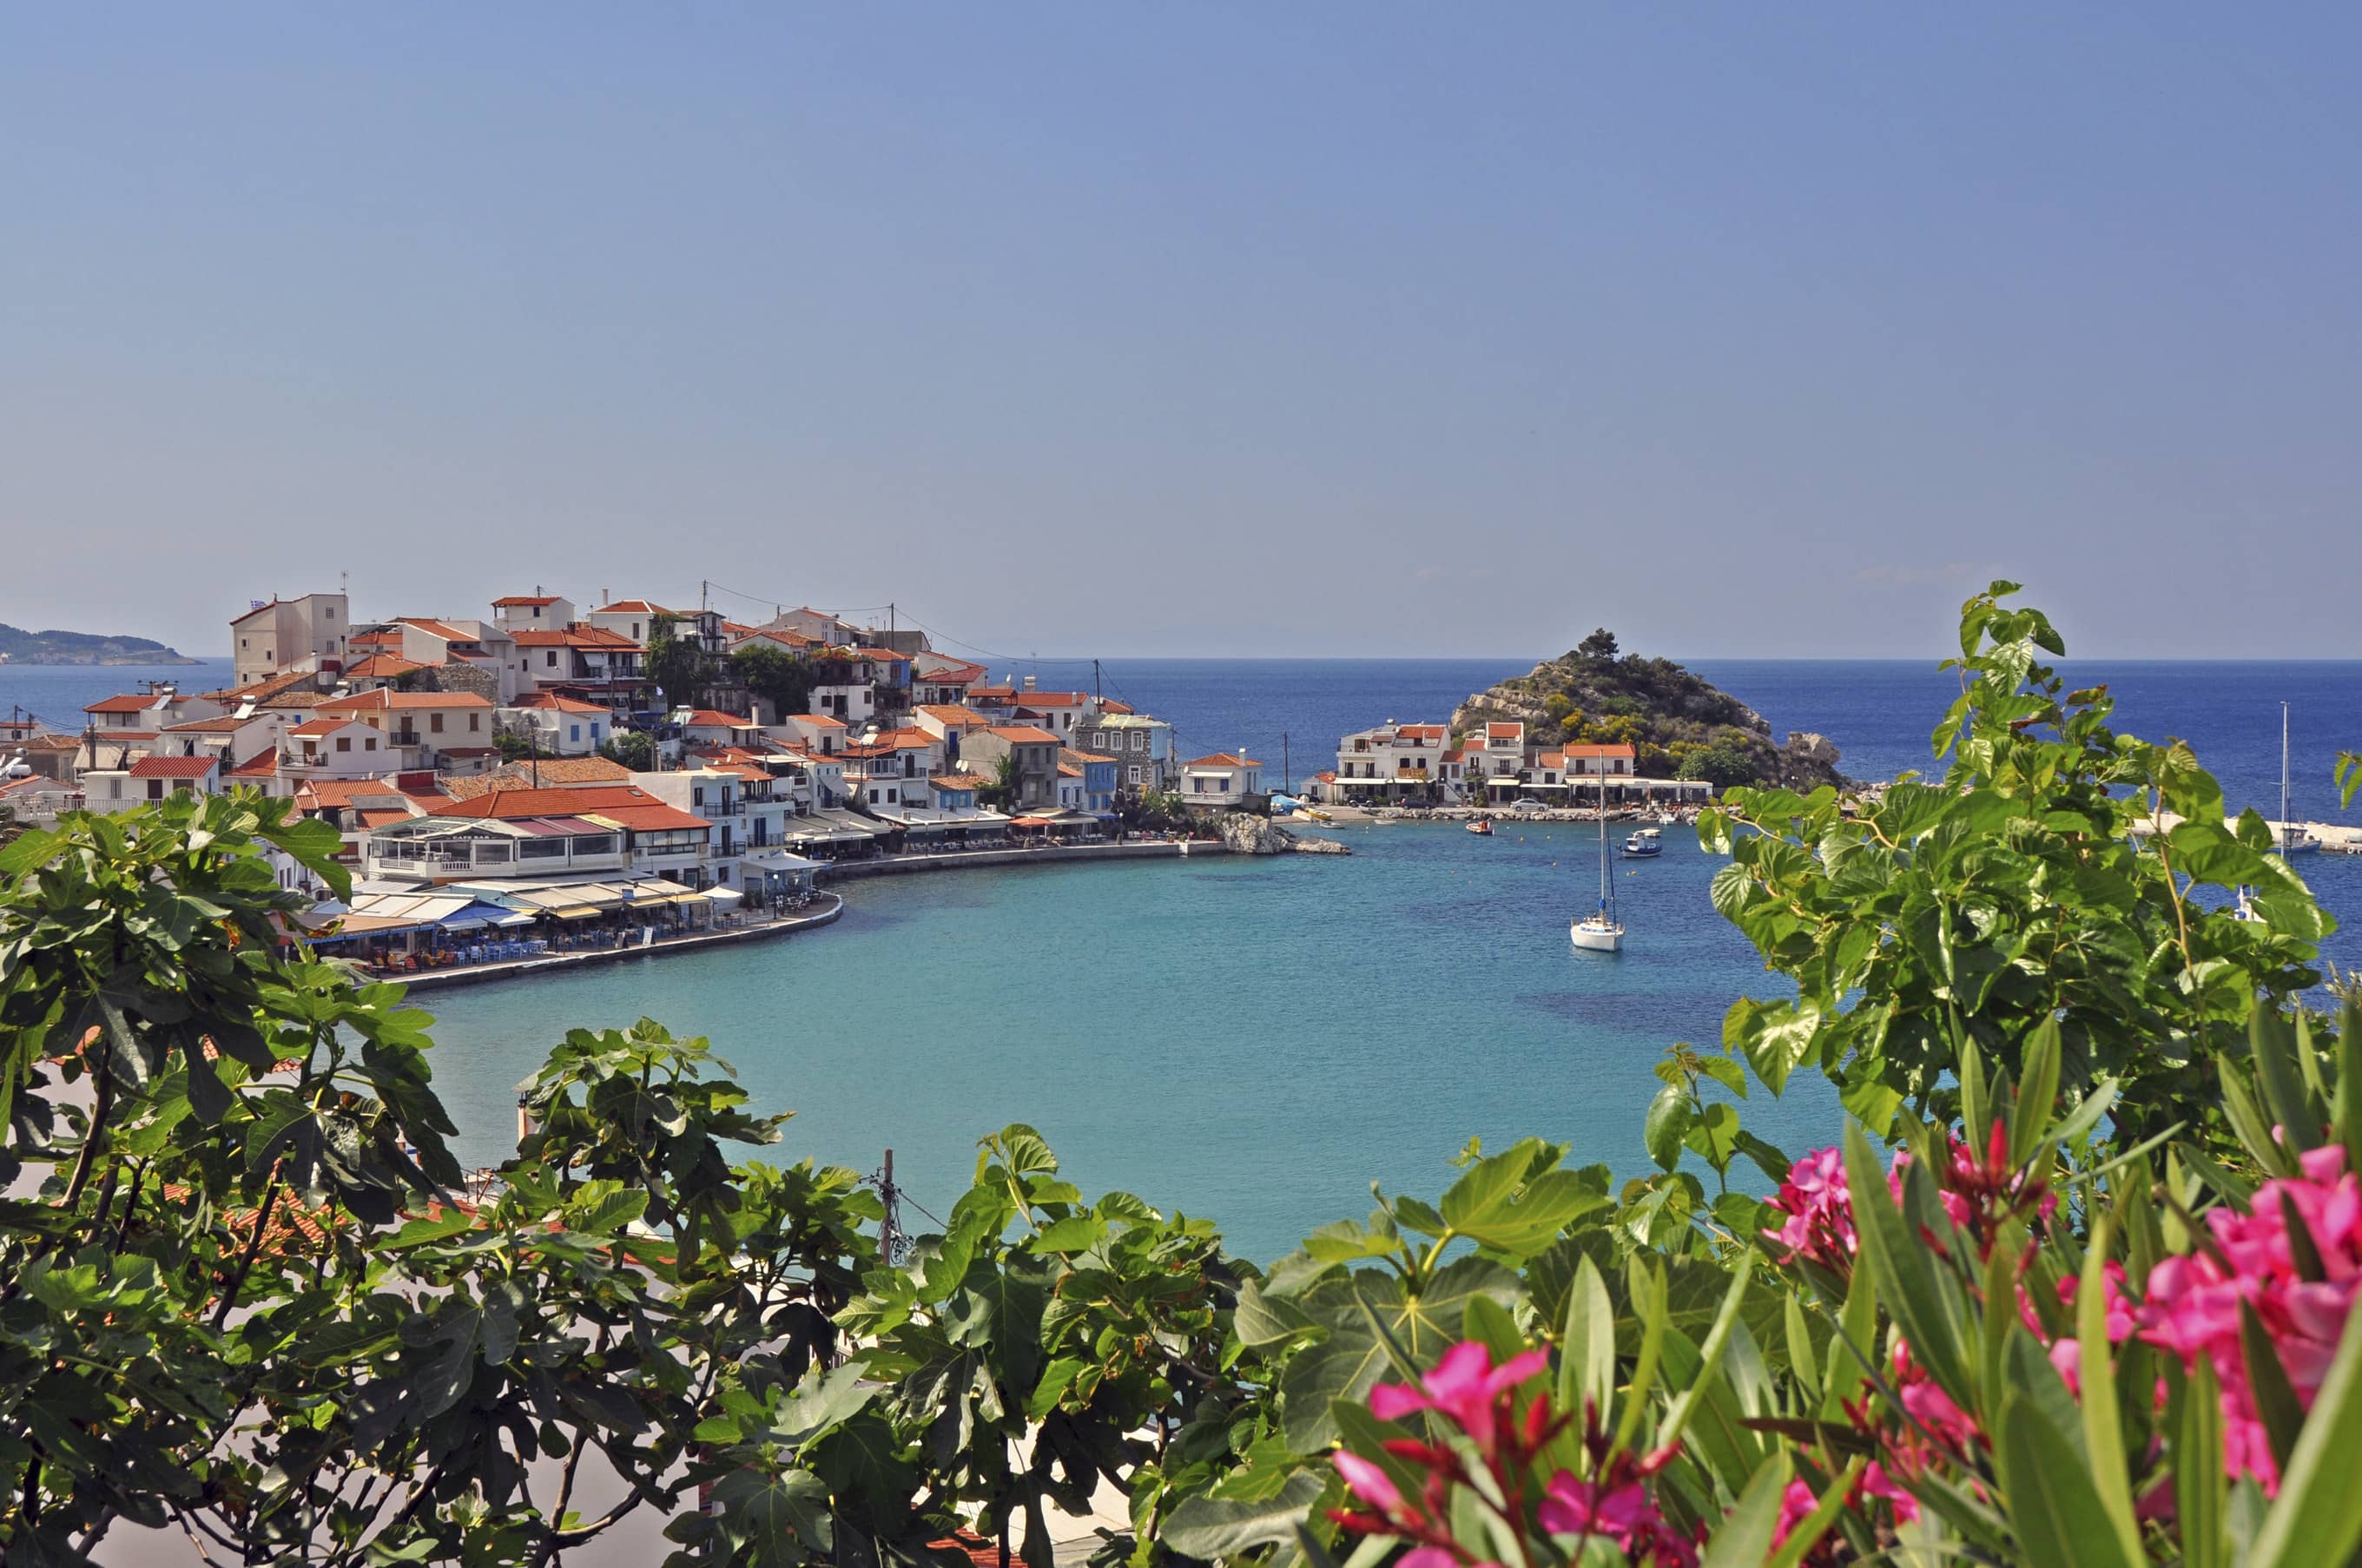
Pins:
x: 1224, y: 778
x: 307, y: 634
x: 476, y: 645
x: 562, y: 726
x: 1392, y: 760
x: 443, y: 726
x: 339, y: 747
x: 534, y: 611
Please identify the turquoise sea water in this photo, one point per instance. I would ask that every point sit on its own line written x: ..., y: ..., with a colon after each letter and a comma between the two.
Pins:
x: 1250, y: 1038
x: 1257, y: 1040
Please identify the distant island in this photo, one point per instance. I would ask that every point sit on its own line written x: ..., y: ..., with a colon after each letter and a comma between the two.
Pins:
x: 20, y: 647
x: 1681, y: 726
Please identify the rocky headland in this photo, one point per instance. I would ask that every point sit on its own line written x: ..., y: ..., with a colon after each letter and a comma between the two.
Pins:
x: 1680, y: 726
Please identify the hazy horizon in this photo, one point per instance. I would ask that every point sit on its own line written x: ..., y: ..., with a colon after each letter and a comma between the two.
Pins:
x: 1217, y: 331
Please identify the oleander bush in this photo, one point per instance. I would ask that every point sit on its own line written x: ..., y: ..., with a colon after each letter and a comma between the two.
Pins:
x: 2073, y: 1286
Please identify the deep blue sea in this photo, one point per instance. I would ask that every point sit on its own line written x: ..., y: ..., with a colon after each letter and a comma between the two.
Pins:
x: 1258, y: 1040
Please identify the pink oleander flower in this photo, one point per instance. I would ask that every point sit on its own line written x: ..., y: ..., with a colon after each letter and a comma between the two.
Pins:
x: 2192, y: 1307
x: 1619, y: 1510
x: 1819, y: 1226
x: 1976, y: 1194
x: 1797, y: 1503
x: 1368, y: 1481
x: 1465, y: 1388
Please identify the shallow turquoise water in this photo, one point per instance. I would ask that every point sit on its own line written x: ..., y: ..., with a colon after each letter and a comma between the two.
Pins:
x: 1251, y: 1038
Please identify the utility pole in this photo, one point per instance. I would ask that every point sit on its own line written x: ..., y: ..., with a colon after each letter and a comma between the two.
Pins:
x: 889, y: 1229
x: 1095, y: 680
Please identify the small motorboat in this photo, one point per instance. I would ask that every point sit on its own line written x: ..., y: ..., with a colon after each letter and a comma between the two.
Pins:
x: 1666, y: 818
x: 1483, y: 825
x: 1644, y: 845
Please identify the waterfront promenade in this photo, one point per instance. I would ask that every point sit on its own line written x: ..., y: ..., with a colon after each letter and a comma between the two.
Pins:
x: 830, y: 906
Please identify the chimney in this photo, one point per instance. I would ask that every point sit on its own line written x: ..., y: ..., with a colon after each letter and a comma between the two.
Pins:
x: 1029, y: 683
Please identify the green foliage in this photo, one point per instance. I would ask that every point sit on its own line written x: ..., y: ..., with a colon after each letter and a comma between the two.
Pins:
x: 246, y: 1293
x: 779, y: 678
x: 1001, y: 794
x: 678, y: 665
x: 2052, y: 874
x: 634, y: 749
x: 1597, y: 649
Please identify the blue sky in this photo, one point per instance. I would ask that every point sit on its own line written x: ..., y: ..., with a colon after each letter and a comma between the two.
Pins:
x: 1366, y: 329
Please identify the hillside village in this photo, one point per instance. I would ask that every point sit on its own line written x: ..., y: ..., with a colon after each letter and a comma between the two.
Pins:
x: 554, y: 764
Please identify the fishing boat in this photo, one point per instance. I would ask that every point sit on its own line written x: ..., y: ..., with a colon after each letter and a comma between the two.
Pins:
x: 1645, y: 844
x: 1482, y: 824
x: 1600, y: 932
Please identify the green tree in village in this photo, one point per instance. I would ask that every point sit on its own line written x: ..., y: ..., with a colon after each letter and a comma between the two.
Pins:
x: 634, y: 749
x: 1001, y: 794
x: 779, y: 678
x: 678, y: 665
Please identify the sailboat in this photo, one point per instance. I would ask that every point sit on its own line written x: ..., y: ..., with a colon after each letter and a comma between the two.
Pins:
x: 2292, y: 841
x: 1601, y: 933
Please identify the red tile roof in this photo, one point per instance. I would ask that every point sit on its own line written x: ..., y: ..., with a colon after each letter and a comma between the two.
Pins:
x: 127, y: 704
x: 382, y: 667
x: 261, y: 764
x: 710, y: 718
x: 954, y: 674
x: 968, y: 781
x: 322, y: 727
x: 572, y: 637
x: 562, y: 705
x: 1621, y: 748
x: 381, y: 700
x: 525, y: 600
x: 1110, y: 705
x: 174, y: 766
x: 1053, y: 698
x: 626, y: 804
x: 1499, y: 730
x: 639, y: 607
x: 822, y: 720
x: 1021, y: 734
x: 1223, y: 760
x: 442, y: 629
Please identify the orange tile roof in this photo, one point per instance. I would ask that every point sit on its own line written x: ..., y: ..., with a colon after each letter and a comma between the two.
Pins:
x: 1223, y: 760
x: 381, y: 701
x: 1021, y: 734
x: 710, y: 718
x: 382, y: 667
x: 127, y: 705
x: 572, y: 637
x: 1111, y: 705
x: 969, y: 781
x: 174, y: 766
x: 261, y: 764
x: 1053, y: 698
x: 604, y: 800
x: 945, y: 713
x: 1500, y: 731
x: 1422, y: 732
x: 822, y: 720
x: 1620, y: 748
x: 442, y: 629
x: 551, y: 699
x: 956, y: 673
x: 322, y: 726
x: 525, y: 600
x: 1088, y: 756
